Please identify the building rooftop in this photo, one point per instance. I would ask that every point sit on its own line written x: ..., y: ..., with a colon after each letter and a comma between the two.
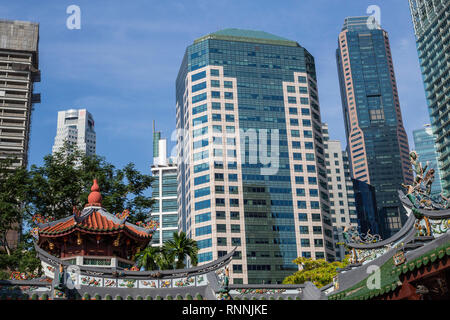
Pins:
x: 19, y: 35
x: 233, y: 34
x: 360, y: 24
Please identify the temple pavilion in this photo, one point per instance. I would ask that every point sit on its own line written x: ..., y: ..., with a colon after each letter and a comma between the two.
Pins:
x: 94, y: 237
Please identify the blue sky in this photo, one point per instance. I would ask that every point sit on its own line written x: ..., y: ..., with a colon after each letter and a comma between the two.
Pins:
x: 122, y: 64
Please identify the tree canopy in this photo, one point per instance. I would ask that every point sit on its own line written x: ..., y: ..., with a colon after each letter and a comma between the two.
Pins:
x: 319, y: 272
x: 13, y: 194
x: 164, y: 257
x: 65, y: 179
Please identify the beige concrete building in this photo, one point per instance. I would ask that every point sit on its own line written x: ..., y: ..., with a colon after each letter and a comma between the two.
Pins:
x: 19, y: 70
x: 340, y: 188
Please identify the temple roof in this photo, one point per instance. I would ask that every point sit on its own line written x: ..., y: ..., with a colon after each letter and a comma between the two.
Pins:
x: 93, y: 219
x: 423, y: 239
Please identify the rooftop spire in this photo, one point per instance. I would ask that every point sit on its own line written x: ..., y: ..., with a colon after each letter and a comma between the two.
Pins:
x: 95, y: 198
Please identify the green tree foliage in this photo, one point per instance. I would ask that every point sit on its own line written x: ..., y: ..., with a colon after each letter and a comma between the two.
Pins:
x: 165, y: 259
x: 148, y: 258
x: 319, y: 272
x: 182, y: 247
x: 22, y: 259
x: 13, y: 194
x: 65, y: 179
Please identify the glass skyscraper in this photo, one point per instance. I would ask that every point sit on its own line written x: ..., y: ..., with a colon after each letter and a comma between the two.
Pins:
x: 251, y: 162
x: 376, y: 139
x: 431, y: 26
x: 424, y: 144
x: 366, y: 207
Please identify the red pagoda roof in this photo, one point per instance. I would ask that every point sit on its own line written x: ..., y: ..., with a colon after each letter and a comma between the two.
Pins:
x: 96, y: 222
x: 93, y: 219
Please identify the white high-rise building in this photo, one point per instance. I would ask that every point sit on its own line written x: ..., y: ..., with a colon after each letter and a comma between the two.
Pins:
x: 165, y: 209
x: 77, y: 127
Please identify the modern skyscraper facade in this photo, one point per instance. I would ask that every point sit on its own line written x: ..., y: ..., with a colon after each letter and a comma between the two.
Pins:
x: 376, y: 140
x: 251, y: 156
x: 366, y: 208
x: 164, y: 188
x: 19, y: 70
x: 431, y: 19
x: 76, y: 126
x: 424, y: 145
x: 340, y: 188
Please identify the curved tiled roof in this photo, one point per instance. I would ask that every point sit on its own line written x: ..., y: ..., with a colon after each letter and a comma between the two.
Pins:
x: 94, y: 220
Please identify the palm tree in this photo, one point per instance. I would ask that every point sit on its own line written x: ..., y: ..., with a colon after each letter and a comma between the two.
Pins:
x: 180, y: 247
x: 165, y: 259
x: 148, y: 258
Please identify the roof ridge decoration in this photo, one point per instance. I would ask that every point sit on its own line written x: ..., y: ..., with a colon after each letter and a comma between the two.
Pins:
x: 88, y: 219
x: 428, y: 226
x: 95, y: 197
x: 430, y: 218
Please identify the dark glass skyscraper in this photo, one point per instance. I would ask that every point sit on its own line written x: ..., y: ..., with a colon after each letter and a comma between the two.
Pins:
x: 251, y: 156
x: 431, y: 20
x: 366, y: 208
x: 376, y: 139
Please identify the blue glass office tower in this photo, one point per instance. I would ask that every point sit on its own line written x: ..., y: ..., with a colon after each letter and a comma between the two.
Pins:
x: 376, y: 139
x: 424, y: 144
x: 243, y: 96
x: 432, y: 27
x: 366, y: 208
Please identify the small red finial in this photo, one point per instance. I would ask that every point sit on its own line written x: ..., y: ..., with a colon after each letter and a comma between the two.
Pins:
x: 95, y: 198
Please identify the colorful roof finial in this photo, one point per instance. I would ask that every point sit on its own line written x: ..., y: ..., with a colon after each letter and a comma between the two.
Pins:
x: 95, y: 198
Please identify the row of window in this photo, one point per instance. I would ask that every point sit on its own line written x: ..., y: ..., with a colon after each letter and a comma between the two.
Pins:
x: 303, y: 100
x: 222, y: 228
x: 301, y: 89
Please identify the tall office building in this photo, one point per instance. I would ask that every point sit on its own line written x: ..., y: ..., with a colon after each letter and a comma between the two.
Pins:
x: 75, y: 126
x: 376, y: 140
x: 340, y: 188
x: 424, y: 144
x: 19, y: 70
x: 164, y: 188
x: 251, y: 156
x: 431, y: 20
